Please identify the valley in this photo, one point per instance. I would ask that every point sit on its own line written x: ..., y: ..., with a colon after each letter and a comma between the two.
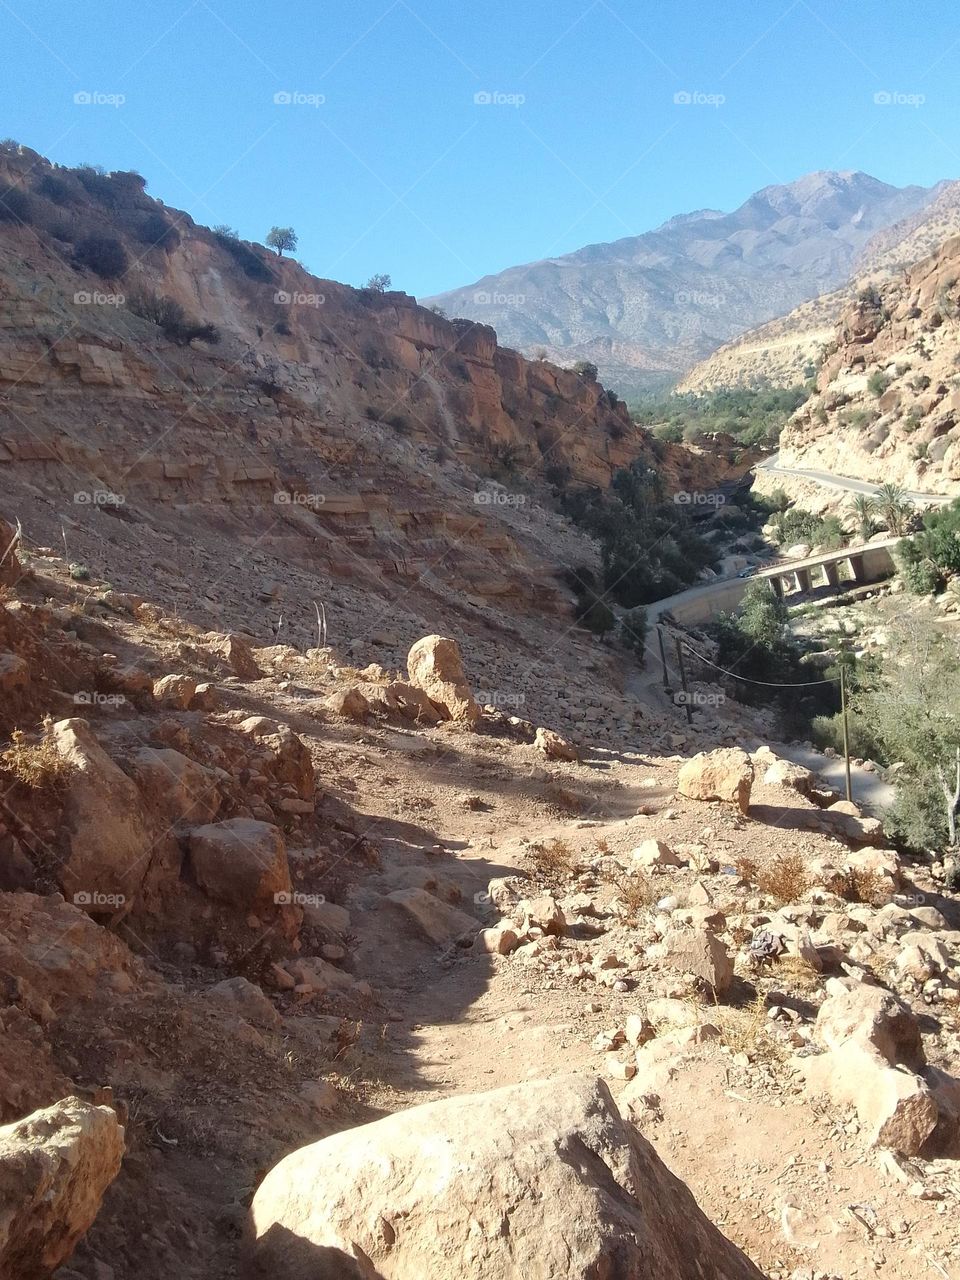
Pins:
x: 378, y: 898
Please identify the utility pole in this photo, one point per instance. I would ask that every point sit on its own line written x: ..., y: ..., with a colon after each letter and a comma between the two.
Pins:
x: 663, y: 658
x: 846, y: 731
x: 683, y: 681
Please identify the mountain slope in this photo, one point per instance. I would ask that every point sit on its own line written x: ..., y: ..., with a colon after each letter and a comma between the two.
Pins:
x: 887, y: 406
x: 649, y: 306
x: 781, y: 350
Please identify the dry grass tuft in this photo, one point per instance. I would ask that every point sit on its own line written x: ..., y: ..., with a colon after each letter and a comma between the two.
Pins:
x: 860, y: 884
x: 553, y: 861
x: 747, y: 869
x: 633, y: 889
x: 786, y: 879
x: 38, y: 765
x: 745, y: 1031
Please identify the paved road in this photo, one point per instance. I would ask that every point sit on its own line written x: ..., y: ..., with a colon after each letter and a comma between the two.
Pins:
x: 847, y: 483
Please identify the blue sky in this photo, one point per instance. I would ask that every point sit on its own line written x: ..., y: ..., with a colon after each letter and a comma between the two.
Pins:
x: 399, y: 169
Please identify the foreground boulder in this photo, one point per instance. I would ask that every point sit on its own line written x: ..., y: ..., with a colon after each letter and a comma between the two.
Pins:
x: 726, y: 775
x: 55, y: 1166
x: 542, y: 1180
x: 554, y: 747
x: 434, y: 665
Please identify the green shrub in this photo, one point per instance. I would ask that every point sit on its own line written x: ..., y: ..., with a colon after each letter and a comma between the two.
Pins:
x: 878, y: 382
x: 155, y: 230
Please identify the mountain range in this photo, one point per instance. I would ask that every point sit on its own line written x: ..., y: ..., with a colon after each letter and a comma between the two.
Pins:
x: 646, y: 308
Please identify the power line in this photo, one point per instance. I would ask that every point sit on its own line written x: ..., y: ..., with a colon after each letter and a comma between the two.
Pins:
x: 766, y: 684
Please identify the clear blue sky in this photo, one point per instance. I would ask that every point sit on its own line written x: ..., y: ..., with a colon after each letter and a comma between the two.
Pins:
x: 400, y: 170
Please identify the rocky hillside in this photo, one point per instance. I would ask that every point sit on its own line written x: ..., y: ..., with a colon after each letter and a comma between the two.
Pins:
x: 647, y: 307
x: 888, y: 395
x: 343, y: 446
x: 783, y: 350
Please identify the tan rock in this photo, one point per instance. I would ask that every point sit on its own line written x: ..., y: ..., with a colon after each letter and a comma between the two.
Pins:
x: 701, y: 953
x: 427, y: 1191
x: 554, y: 747
x: 55, y: 1166
x: 175, y: 690
x: 725, y: 774
x: 434, y: 665
x: 242, y: 862
x: 653, y: 855
x: 436, y: 920
x: 104, y: 839
x: 246, y: 1000
x: 349, y: 704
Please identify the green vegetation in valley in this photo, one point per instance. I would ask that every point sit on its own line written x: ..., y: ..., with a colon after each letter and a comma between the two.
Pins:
x: 754, y: 416
x: 648, y: 545
x: 930, y: 560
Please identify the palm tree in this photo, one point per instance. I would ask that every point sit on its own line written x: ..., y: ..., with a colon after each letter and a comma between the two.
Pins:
x: 895, y: 507
x: 864, y: 510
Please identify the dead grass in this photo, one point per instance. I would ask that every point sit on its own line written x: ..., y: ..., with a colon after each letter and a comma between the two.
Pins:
x: 563, y: 798
x: 747, y: 869
x: 633, y: 889
x: 860, y: 884
x: 745, y: 1031
x: 38, y: 765
x: 554, y: 861
x: 785, y: 879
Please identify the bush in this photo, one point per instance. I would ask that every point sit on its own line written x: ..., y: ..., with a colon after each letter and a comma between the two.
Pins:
x: 16, y: 206
x: 171, y: 317
x: 155, y: 230
x: 249, y: 262
x: 877, y: 383
x: 55, y: 188
x: 103, y: 254
x: 586, y: 369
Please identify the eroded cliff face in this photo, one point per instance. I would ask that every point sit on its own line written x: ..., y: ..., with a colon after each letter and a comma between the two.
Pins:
x: 888, y: 393
x: 347, y: 431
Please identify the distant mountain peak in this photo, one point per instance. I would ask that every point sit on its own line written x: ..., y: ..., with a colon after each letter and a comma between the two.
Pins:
x: 648, y: 307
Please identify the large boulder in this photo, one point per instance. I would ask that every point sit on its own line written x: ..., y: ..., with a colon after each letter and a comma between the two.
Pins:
x: 434, y: 665
x: 241, y: 862
x: 438, y: 921
x: 542, y: 1180
x: 105, y: 844
x: 726, y: 774
x: 54, y: 1168
x: 874, y: 1053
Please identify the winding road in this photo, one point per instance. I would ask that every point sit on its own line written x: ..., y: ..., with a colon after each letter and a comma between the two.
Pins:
x: 831, y: 481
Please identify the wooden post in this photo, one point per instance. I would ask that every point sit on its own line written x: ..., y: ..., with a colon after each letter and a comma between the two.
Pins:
x: 663, y: 658
x: 683, y: 681
x: 846, y: 732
